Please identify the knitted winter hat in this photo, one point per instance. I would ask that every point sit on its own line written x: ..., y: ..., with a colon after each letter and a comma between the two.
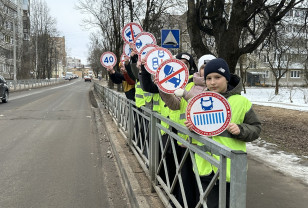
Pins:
x: 189, y: 58
x: 219, y: 66
x: 204, y: 60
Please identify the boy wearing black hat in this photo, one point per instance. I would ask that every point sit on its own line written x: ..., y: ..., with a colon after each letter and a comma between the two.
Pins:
x: 244, y: 126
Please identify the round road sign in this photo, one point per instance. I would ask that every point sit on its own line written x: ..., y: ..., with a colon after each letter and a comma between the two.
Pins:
x: 209, y: 112
x: 108, y: 59
x: 122, y: 59
x: 126, y: 49
x: 143, y: 39
x: 145, y: 50
x: 130, y: 32
x: 155, y: 57
x: 172, y: 74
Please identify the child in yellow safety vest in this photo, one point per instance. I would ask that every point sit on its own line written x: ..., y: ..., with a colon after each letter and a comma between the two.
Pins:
x: 244, y: 126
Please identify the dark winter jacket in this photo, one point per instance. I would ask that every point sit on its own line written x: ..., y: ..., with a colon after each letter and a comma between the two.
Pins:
x: 128, y: 84
x: 251, y: 127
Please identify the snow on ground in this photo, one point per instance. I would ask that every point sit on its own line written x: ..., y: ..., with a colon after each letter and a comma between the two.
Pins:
x: 290, y: 98
x: 286, y: 163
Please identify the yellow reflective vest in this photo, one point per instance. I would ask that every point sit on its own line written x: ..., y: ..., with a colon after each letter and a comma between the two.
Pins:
x: 139, y: 95
x: 239, y: 107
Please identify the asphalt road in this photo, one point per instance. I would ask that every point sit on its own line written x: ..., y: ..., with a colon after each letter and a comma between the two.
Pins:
x: 51, y: 154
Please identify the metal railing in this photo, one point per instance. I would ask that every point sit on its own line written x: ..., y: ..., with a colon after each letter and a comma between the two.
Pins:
x: 143, y: 132
x: 32, y: 83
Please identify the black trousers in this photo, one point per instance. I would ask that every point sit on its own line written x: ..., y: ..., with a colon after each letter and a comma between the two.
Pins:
x: 213, y: 197
x: 189, y: 181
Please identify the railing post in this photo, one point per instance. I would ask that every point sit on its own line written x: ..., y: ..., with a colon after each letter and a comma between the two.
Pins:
x: 238, y: 185
x: 131, y: 124
x: 118, y: 112
x: 153, y: 159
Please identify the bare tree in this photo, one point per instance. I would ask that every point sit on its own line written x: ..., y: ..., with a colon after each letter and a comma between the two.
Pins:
x: 43, y: 28
x: 95, y: 52
x: 226, y: 21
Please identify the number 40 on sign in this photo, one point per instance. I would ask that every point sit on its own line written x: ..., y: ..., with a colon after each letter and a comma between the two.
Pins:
x: 108, y: 59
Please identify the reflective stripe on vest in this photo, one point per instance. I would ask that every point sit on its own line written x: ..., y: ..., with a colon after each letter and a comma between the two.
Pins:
x: 155, y: 100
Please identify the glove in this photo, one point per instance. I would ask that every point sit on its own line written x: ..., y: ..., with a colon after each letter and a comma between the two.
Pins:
x: 179, y: 92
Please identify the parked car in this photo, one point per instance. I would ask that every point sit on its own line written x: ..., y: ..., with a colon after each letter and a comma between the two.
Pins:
x: 87, y: 79
x: 4, y: 90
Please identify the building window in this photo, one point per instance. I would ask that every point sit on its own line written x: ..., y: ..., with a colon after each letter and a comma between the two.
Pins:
x: 280, y: 72
x: 266, y: 74
x: 295, y: 74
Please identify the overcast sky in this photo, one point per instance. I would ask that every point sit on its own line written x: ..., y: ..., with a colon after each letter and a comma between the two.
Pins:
x: 68, y: 24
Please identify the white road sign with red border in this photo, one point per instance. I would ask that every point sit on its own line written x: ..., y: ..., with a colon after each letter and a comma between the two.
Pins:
x: 209, y: 112
x: 171, y: 75
x: 108, y: 59
x: 143, y: 39
x: 145, y: 50
x: 122, y: 59
x: 155, y: 57
x: 126, y: 49
x: 130, y: 32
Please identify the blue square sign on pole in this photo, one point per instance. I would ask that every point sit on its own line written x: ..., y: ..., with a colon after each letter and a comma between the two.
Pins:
x: 170, y: 38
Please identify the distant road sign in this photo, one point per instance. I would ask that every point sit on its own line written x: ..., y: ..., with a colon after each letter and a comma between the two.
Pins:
x: 170, y: 38
x: 209, y: 112
x: 108, y: 59
x: 155, y: 57
x: 172, y: 74
x: 130, y: 32
x: 143, y: 39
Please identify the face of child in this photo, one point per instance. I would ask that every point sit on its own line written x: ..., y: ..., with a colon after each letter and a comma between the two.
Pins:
x: 216, y: 82
x: 185, y: 62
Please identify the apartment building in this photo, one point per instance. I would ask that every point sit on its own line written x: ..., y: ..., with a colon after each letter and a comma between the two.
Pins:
x: 14, y: 29
x: 287, y: 59
x: 59, y: 57
x: 73, y: 63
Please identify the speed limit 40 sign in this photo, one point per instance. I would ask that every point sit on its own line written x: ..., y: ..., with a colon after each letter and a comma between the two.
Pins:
x: 108, y: 59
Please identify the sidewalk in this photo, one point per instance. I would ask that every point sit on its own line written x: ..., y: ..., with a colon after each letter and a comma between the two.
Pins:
x: 268, y: 188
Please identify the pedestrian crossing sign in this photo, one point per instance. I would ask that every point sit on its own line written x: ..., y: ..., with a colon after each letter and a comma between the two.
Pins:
x: 170, y: 38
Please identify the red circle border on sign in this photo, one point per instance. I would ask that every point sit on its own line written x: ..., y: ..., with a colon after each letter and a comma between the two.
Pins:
x: 225, y: 103
x: 124, y: 48
x: 162, y: 65
x: 151, y: 51
x: 144, y: 47
x: 144, y: 33
x: 114, y: 56
x: 128, y: 25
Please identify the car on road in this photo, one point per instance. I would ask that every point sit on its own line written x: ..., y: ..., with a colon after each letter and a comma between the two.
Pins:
x: 4, y: 90
x: 87, y: 79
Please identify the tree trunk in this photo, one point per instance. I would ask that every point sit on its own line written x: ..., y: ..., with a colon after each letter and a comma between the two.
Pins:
x: 194, y: 31
x: 276, y: 86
